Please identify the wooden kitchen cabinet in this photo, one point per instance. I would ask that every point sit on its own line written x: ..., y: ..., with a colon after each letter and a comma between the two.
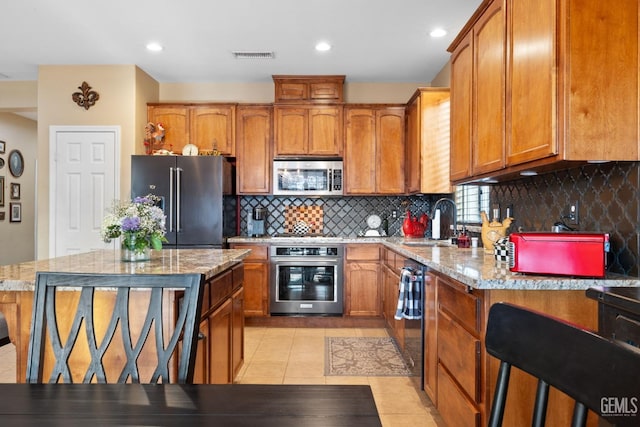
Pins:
x: 460, y: 387
x: 213, y: 128
x: 256, y: 279
x: 220, y: 352
x: 208, y: 126
x: 478, y: 96
x: 220, y: 331
x: 461, y: 103
x: 308, y: 130
x: 560, y: 104
x: 428, y: 142
x: 237, y: 332
x: 430, y: 337
x: 392, y: 264
x: 175, y: 120
x: 362, y: 289
x: 374, y: 159
x: 308, y: 89
x: 253, y: 149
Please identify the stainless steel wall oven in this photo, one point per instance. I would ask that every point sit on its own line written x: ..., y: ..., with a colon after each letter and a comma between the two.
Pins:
x: 306, y: 279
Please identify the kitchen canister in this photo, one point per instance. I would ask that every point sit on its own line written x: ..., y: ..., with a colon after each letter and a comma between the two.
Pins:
x: 501, y: 249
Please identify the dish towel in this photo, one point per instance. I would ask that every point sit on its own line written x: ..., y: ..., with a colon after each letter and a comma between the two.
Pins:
x: 409, y: 298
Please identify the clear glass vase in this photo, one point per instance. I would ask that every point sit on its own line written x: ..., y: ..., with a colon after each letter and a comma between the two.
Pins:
x: 134, y: 250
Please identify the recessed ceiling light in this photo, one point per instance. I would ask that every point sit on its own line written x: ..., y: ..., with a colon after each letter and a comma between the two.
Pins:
x: 323, y: 47
x: 154, y: 47
x: 438, y: 32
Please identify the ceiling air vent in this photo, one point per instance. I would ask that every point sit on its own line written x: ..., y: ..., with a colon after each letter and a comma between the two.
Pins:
x: 253, y: 55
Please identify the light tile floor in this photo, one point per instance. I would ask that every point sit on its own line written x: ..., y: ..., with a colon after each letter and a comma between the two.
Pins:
x: 296, y: 356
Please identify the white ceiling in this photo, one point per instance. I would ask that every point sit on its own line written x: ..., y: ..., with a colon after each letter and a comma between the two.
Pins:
x: 373, y: 40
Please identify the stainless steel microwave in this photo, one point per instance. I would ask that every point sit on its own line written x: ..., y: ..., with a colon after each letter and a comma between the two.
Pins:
x: 307, y: 177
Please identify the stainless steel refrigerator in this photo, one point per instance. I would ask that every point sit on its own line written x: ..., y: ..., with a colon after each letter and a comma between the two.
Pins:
x: 196, y: 195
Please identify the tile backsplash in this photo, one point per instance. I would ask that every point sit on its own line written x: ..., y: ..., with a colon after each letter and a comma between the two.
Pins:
x: 341, y: 216
x: 607, y: 195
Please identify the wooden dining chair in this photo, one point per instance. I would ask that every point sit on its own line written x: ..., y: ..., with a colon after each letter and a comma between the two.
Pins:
x: 598, y: 374
x: 135, y: 328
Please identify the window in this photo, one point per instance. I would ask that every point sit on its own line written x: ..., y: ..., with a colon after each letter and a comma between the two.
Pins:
x: 471, y: 199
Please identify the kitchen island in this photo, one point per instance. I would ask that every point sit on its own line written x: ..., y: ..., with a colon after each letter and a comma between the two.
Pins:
x: 223, y: 275
x: 459, y: 376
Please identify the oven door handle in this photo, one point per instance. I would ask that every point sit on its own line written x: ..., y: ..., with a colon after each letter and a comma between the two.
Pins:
x: 305, y: 260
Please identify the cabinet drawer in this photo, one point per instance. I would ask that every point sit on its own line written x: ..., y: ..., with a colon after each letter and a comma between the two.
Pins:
x: 459, y: 352
x: 221, y: 288
x: 460, y: 304
x: 258, y: 252
x: 238, y: 275
x: 362, y: 252
x: 453, y: 405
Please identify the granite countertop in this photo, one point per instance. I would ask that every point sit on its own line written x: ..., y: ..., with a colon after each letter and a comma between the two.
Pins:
x: 20, y: 277
x: 470, y: 266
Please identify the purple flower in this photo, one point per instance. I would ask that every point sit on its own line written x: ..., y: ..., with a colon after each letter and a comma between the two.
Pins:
x: 144, y: 200
x: 131, y: 224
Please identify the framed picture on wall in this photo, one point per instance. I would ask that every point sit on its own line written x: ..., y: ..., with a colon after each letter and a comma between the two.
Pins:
x: 15, y: 191
x: 1, y: 190
x: 15, y: 211
x: 3, y: 147
x: 2, y: 216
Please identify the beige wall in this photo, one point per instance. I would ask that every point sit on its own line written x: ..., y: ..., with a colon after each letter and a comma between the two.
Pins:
x: 443, y: 78
x: 18, y: 96
x: 17, y: 239
x: 124, y: 91
x: 263, y: 92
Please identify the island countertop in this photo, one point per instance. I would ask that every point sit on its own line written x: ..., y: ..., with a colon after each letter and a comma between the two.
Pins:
x: 21, y: 277
x: 470, y: 266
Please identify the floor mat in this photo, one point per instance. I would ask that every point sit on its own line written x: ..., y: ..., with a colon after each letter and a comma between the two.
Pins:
x: 358, y: 357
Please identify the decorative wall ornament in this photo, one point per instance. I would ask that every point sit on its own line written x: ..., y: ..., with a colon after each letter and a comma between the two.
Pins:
x: 87, y: 98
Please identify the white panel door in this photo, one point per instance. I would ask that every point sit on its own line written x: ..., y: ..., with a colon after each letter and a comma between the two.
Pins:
x: 84, y: 184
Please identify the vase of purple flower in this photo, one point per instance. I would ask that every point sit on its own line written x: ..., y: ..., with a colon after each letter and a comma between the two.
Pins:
x: 141, y: 226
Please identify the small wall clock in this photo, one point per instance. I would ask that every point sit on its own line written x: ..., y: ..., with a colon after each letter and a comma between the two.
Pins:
x: 16, y: 163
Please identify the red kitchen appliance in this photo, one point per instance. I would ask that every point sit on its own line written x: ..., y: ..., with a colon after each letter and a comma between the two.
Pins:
x: 565, y: 254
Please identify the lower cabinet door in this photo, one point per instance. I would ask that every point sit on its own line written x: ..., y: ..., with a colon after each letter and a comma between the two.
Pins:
x: 237, y: 336
x: 220, y: 324
x: 454, y: 407
x: 201, y: 368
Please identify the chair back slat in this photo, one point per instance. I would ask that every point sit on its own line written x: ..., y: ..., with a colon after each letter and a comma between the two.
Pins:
x: 587, y: 367
x: 173, y: 348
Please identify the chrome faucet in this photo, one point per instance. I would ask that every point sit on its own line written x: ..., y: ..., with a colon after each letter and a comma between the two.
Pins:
x: 455, y: 212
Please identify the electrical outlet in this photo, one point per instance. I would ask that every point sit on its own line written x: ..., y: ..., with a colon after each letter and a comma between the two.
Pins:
x: 573, y: 216
x: 394, y: 214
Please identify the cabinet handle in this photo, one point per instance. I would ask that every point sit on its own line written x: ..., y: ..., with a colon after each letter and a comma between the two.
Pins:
x: 201, y: 336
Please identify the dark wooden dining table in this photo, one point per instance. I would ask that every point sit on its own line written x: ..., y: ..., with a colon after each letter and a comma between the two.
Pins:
x: 187, y: 405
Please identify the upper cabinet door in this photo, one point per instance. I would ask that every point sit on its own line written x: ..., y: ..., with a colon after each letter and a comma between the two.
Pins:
x: 303, y: 130
x: 291, y: 131
x: 461, y: 103
x: 253, y: 151
x: 360, y: 151
x: 390, y: 150
x: 212, y: 128
x: 374, y: 150
x: 325, y: 131
x: 175, y: 120
x: 489, y: 90
x: 533, y: 85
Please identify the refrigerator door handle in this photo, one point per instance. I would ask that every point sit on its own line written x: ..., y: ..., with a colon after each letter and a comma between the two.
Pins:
x: 170, y: 199
x: 178, y: 201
